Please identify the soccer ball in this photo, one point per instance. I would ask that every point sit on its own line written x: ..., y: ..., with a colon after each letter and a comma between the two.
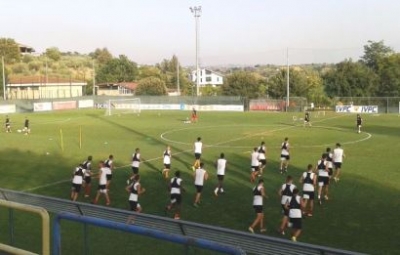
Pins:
x: 19, y: 130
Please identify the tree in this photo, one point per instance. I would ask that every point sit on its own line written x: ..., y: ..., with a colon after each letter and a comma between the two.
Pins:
x: 168, y: 72
x: 373, y: 52
x: 210, y: 91
x: 53, y: 53
x: 389, y: 76
x: 151, y: 86
x: 146, y: 71
x: 241, y: 83
x: 9, y: 49
x: 350, y: 79
x: 301, y: 82
x: 102, y: 56
x: 117, y: 70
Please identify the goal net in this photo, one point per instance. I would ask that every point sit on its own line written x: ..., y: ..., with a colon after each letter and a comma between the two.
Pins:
x: 123, y: 106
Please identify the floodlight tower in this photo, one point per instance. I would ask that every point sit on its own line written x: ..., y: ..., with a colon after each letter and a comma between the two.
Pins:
x: 197, y: 13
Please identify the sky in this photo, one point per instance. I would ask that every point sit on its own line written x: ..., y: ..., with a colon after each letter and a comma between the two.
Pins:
x: 231, y: 32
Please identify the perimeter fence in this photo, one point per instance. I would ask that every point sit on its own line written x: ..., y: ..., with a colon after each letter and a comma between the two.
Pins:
x: 84, y: 239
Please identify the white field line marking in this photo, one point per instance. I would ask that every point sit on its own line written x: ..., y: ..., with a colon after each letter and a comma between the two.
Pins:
x: 218, y: 145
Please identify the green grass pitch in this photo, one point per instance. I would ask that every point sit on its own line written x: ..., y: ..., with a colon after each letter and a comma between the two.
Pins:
x: 361, y: 215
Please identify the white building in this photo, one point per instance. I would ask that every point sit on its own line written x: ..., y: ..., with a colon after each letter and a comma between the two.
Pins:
x: 208, y: 78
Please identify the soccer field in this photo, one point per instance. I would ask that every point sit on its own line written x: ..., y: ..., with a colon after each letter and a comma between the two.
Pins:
x: 361, y: 214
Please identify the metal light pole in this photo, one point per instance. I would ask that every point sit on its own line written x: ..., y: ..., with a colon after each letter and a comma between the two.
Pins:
x: 197, y: 13
x: 94, y: 79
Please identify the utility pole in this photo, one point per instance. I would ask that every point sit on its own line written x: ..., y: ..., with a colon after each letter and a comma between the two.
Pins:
x: 287, y: 80
x: 94, y: 80
x: 177, y: 78
x: 197, y: 13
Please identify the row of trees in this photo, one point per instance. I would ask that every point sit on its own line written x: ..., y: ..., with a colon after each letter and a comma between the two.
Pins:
x: 377, y: 73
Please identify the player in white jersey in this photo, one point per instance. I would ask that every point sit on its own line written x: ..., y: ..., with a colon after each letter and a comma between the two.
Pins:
x: 258, y: 202
x: 262, y: 151
x: 309, y: 181
x: 176, y: 189
x: 135, y: 162
x: 200, y: 175
x: 255, y: 165
x: 198, y: 150
x: 323, y: 177
x: 167, y: 162
x: 329, y: 161
x: 295, y: 207
x: 338, y: 156
x: 285, y: 193
x: 87, y: 165
x: 135, y: 189
x: 221, y: 167
x: 77, y: 181
x: 285, y: 156
x: 102, y: 189
x: 109, y: 167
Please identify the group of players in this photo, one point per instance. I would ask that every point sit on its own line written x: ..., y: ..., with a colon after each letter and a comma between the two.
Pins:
x: 26, y: 130
x: 294, y: 207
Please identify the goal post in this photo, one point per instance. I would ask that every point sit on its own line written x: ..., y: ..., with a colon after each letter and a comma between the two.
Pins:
x: 123, y: 106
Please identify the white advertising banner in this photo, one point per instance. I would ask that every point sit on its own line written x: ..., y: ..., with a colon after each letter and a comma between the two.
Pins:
x: 212, y: 107
x: 7, y: 108
x: 160, y: 106
x: 357, y: 108
x: 41, y: 107
x: 86, y: 103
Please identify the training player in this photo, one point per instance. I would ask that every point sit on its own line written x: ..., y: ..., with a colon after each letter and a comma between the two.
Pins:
x: 221, y: 167
x: 102, y: 188
x: 323, y: 177
x: 307, y: 120
x: 109, y: 168
x: 8, y: 125
x: 359, y: 123
x: 295, y: 207
x: 285, y: 193
x: 262, y: 150
x: 167, y: 162
x: 194, y: 117
x: 285, y: 156
x: 200, y: 175
x: 135, y: 162
x: 135, y: 190
x: 329, y: 161
x: 258, y: 202
x: 198, y: 149
x: 176, y: 189
x: 338, y: 156
x: 26, y: 129
x: 87, y: 166
x: 309, y: 181
x: 77, y: 181
x: 255, y: 165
